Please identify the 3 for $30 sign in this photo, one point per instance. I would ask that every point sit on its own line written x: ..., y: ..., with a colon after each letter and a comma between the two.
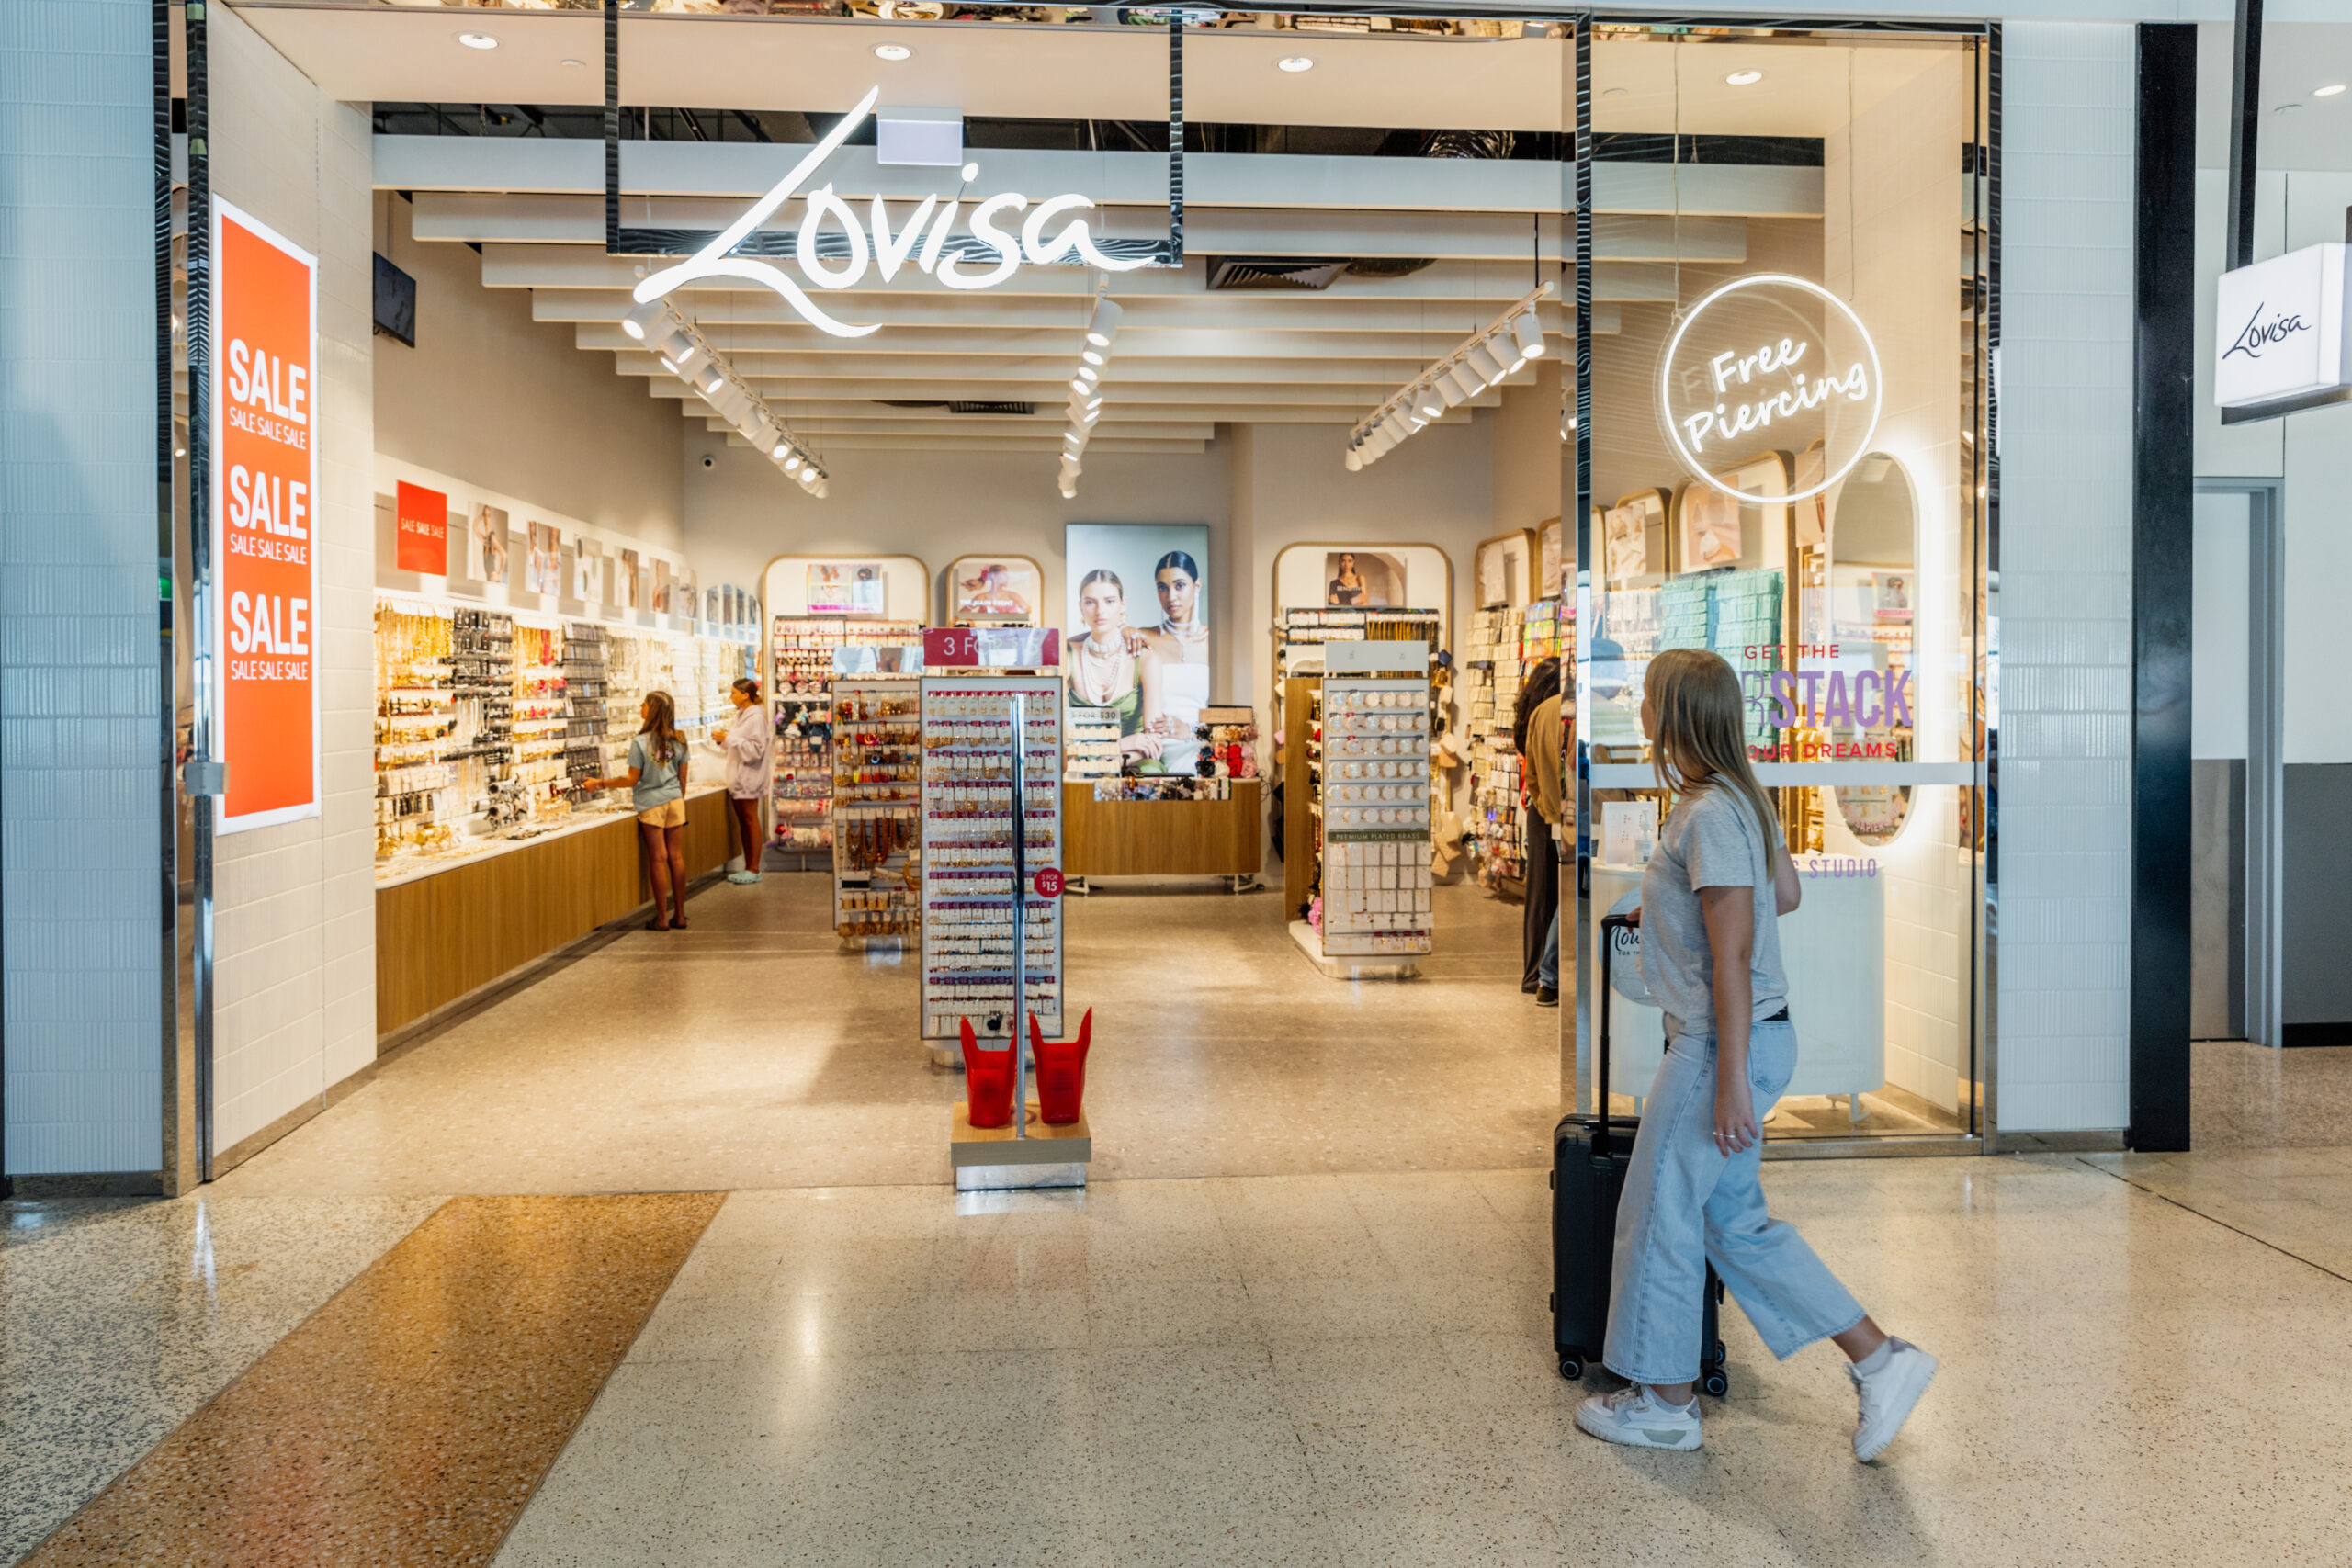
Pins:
x: 264, y: 508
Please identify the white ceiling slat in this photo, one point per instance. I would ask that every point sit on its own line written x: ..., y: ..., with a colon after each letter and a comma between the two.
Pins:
x: 961, y: 443
x: 1199, y: 398
x: 1056, y: 348
x: 992, y: 379
x: 746, y: 313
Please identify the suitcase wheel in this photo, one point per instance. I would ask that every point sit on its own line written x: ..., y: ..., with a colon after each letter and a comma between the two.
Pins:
x: 1571, y: 1367
x: 1715, y: 1384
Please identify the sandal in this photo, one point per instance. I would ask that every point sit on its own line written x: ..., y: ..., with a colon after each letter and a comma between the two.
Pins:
x: 654, y: 927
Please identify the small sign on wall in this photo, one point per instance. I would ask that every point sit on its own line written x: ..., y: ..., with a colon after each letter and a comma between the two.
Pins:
x: 421, y: 519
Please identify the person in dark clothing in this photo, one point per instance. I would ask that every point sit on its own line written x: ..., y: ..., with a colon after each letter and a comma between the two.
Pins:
x: 1542, y: 683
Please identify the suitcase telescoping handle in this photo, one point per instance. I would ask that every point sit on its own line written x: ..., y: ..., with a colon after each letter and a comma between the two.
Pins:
x: 1610, y: 926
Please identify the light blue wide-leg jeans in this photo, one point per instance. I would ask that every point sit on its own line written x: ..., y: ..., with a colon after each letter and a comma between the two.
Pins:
x: 1685, y: 1205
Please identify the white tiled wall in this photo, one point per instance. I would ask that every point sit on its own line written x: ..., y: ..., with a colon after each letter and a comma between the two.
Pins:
x: 297, y: 910
x: 2069, y: 105
x: 80, y: 685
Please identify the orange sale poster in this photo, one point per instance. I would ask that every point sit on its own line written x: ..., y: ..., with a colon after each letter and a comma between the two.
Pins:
x: 265, y: 510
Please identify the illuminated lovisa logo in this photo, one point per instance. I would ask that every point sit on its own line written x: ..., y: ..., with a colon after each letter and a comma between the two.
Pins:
x: 922, y: 239
x: 1710, y: 395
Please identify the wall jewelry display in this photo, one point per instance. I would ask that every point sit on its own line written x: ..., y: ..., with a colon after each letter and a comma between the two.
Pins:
x: 805, y: 657
x: 991, y: 799
x: 877, y: 744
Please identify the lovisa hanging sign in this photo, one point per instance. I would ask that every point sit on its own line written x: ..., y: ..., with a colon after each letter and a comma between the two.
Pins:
x: 264, y: 515
x: 1769, y: 361
x: 920, y: 240
x: 2283, y: 328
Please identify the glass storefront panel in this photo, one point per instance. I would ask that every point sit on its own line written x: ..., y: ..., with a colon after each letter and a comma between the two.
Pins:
x: 1786, y: 470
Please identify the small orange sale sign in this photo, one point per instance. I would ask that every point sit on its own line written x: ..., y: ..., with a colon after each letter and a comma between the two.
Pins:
x: 265, y: 512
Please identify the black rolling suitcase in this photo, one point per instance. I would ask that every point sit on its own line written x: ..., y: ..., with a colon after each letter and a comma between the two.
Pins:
x: 1588, y: 1160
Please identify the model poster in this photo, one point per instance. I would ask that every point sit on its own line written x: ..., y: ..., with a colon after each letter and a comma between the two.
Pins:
x: 1139, y: 640
x: 1548, y: 549
x: 1627, y: 525
x: 998, y: 590
x: 486, y: 542
x: 544, y: 570
x: 661, y: 586
x: 588, y: 573
x: 1891, y: 597
x: 846, y: 588
x: 631, y: 595
x: 1494, y: 574
x: 1710, y: 529
x: 1362, y: 579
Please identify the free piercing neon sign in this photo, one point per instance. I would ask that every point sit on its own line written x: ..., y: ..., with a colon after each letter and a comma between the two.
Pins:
x: 1747, y: 389
x: 922, y: 239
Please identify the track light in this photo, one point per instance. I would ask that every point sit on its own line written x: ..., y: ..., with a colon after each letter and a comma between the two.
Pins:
x: 640, y: 323
x: 1483, y: 360
x: 1088, y: 374
x: 791, y: 460
x: 692, y: 363
x: 1093, y: 357
x: 1105, y: 323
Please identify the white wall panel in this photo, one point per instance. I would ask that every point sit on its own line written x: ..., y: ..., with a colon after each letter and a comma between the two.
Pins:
x: 2070, y: 98
x: 296, y: 903
x: 80, y: 688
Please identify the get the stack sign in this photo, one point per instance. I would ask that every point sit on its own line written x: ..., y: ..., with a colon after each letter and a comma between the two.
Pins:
x: 265, y: 510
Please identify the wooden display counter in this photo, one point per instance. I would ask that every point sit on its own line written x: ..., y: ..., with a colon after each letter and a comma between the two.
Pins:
x: 444, y: 933
x: 1161, y: 837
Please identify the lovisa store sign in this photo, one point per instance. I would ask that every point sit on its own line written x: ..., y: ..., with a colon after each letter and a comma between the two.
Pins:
x: 2283, y: 328
x: 920, y: 239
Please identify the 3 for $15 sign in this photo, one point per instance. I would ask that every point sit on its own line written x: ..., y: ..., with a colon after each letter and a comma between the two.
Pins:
x: 264, y: 489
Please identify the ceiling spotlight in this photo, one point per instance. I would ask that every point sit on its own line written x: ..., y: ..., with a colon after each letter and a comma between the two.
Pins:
x: 892, y: 51
x: 1294, y: 63
x: 1078, y: 386
x: 1356, y: 461
x: 478, y: 41
x: 2329, y: 91
x: 692, y: 363
x: 791, y: 462
x: 1429, y: 402
x: 1088, y: 373
x: 567, y: 60
x: 1091, y: 355
x: 709, y: 379
x: 1105, y: 321
x: 1487, y: 364
x: 1529, y: 333
x: 1745, y: 78
x: 640, y: 323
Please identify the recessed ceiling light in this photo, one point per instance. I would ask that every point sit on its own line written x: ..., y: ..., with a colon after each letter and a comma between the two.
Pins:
x: 1745, y: 78
x: 1613, y: 92
x: 891, y: 52
x: 1294, y: 63
x: 478, y: 41
x: 2282, y: 108
x: 570, y: 62
x: 2329, y: 91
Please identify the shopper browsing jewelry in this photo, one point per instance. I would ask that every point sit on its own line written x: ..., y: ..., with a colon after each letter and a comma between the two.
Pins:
x: 657, y: 782
x: 745, y: 744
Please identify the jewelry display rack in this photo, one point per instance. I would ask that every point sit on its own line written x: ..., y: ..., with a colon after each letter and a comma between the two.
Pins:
x: 804, y: 659
x: 1375, y: 812
x: 978, y: 943
x: 877, y: 773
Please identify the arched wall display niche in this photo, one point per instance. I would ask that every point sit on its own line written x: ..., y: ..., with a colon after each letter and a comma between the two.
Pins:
x: 1302, y: 578
x: 1873, y: 526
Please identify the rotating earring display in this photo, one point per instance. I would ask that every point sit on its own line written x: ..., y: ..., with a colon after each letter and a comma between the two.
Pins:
x: 1376, y: 812
x: 968, y: 916
x: 877, y: 769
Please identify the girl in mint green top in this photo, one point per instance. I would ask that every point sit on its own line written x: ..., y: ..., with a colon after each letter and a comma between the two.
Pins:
x: 656, y: 781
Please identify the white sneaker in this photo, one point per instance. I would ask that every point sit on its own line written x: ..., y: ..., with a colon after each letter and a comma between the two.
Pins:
x: 1639, y: 1419
x: 1888, y: 1395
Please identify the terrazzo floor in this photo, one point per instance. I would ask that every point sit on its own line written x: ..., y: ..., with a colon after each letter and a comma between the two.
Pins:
x: 750, y: 1050
x: 407, y: 1420
x: 1298, y: 1319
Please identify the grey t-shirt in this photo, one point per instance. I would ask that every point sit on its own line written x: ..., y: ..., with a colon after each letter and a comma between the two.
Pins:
x: 1709, y: 840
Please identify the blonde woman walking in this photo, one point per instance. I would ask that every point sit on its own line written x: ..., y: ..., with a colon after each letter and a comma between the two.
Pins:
x: 1712, y: 899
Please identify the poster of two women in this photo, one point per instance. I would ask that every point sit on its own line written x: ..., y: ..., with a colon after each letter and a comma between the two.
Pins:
x: 1138, y: 642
